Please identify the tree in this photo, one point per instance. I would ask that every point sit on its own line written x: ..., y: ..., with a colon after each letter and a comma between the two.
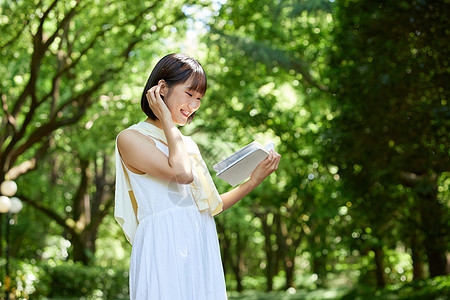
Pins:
x: 391, y: 127
x: 61, y: 56
x: 265, y: 64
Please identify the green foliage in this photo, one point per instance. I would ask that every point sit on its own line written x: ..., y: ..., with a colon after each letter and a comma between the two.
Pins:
x: 41, y: 279
x: 388, y: 134
x: 434, y: 289
x: 272, y: 70
x: 76, y: 280
x: 352, y: 93
x: 332, y: 85
x: 27, y: 278
x: 76, y: 72
x: 431, y: 289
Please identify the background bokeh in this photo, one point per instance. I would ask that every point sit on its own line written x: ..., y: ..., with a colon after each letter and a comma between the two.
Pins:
x: 354, y: 94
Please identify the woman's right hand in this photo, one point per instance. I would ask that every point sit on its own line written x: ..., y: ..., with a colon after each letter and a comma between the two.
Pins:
x: 157, y: 104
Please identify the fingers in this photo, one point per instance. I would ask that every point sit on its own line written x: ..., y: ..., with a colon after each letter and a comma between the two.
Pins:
x: 274, y: 161
x: 157, y: 92
x: 151, y: 95
x: 157, y: 104
x: 154, y: 96
x: 266, y: 167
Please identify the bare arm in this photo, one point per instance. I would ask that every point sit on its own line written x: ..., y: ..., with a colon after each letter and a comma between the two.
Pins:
x: 141, y: 152
x: 264, y: 169
x: 178, y: 158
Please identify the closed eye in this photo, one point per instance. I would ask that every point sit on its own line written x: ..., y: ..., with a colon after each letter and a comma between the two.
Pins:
x: 190, y: 95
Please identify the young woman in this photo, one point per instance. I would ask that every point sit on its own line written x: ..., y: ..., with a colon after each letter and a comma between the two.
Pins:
x: 165, y: 197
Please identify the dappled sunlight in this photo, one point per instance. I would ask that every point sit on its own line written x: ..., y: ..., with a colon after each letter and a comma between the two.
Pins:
x: 352, y: 93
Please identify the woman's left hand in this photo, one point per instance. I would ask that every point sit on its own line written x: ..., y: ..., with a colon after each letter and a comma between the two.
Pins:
x: 266, y: 167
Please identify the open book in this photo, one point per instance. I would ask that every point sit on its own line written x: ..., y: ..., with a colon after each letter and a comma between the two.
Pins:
x: 240, y: 165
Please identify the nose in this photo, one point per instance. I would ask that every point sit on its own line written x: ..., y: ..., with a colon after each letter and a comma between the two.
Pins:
x: 194, y: 104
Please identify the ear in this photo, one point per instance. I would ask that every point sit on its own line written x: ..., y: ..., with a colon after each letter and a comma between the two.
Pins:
x: 163, y: 87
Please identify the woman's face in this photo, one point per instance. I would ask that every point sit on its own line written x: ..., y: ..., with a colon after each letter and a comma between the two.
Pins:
x: 182, y: 102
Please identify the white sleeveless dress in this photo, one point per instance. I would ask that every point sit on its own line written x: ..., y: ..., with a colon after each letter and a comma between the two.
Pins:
x: 175, y: 253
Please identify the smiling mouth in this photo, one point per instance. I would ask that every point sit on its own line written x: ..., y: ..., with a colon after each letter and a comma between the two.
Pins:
x: 185, y: 113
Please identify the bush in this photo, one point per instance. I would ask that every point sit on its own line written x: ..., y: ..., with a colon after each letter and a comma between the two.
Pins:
x: 437, y: 288
x: 26, y: 278
x: 32, y: 279
x: 76, y: 280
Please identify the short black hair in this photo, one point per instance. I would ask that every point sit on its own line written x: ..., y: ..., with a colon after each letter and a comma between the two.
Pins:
x: 175, y: 68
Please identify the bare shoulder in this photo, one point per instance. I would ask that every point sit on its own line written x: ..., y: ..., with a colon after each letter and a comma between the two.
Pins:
x: 130, y: 142
x: 141, y: 155
x: 131, y: 137
x: 134, y: 148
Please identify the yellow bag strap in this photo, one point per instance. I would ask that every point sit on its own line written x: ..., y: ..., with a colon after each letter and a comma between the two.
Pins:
x: 130, y: 191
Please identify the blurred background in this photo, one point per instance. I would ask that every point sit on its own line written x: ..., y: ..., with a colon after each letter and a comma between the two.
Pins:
x: 354, y: 94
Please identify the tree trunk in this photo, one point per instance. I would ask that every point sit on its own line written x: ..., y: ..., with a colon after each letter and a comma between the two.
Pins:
x: 434, y: 226
x: 238, y: 266
x: 289, y: 270
x: 287, y: 247
x: 79, y: 249
x: 269, y: 253
x: 281, y: 243
x: 417, y: 257
x: 224, y: 245
x: 317, y: 265
x: 379, y: 270
x: 90, y: 238
x: 318, y: 260
x: 1, y: 234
